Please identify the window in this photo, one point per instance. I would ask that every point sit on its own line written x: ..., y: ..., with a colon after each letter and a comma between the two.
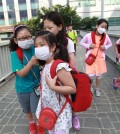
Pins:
x: 34, y: 6
x: 0, y: 2
x: 34, y: 1
x: 21, y: 1
x: 112, y: 2
x: 34, y: 12
x: 9, y: 2
x: 11, y: 14
x: 23, y: 15
x: 114, y: 21
x: 1, y: 15
x: 83, y: 3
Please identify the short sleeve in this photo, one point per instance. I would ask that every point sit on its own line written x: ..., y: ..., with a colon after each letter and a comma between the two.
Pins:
x: 118, y: 42
x: 63, y: 65
x: 70, y: 46
x: 15, y: 62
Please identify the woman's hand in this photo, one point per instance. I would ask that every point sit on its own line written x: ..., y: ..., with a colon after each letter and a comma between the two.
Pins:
x: 51, y: 82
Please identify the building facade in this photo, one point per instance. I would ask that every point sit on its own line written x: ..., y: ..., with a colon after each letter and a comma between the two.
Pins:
x: 14, y: 11
x: 108, y: 9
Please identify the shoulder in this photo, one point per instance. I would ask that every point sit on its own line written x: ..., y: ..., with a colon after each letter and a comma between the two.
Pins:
x: 70, y: 41
x: 63, y: 65
x: 13, y: 53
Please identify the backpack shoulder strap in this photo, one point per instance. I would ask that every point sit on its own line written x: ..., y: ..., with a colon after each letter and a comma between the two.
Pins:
x: 19, y: 53
x: 54, y: 66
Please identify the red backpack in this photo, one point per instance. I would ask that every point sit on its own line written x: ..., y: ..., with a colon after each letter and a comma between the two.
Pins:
x: 19, y: 53
x: 82, y: 99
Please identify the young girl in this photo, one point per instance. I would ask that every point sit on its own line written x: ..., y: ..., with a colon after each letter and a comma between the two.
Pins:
x: 27, y: 72
x: 47, y: 49
x: 117, y: 51
x: 97, y: 49
x: 53, y: 23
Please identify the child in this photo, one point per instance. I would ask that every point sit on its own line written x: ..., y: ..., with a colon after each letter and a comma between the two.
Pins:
x: 47, y: 49
x: 98, y: 68
x: 73, y: 35
x: 53, y: 23
x: 26, y: 81
x: 117, y: 51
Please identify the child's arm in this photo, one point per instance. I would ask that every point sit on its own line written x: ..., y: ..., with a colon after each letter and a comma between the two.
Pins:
x: 116, y: 51
x: 65, y: 77
x: 85, y: 44
x: 24, y: 71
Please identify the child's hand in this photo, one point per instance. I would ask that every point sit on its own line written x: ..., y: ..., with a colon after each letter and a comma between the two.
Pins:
x: 51, y: 82
x: 92, y: 46
x: 102, y: 47
x: 34, y: 61
x: 118, y: 56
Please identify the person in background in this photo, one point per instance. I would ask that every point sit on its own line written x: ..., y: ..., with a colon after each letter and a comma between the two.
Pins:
x: 26, y: 82
x: 98, y: 68
x: 117, y: 51
x: 73, y: 35
x: 53, y: 23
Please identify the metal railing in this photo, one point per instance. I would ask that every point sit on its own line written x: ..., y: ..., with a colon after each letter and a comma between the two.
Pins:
x: 5, y: 66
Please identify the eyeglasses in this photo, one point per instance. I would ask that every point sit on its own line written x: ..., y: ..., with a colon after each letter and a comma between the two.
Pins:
x: 25, y: 38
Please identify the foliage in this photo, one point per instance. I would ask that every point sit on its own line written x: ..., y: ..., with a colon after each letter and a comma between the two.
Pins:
x: 69, y: 16
x: 88, y: 23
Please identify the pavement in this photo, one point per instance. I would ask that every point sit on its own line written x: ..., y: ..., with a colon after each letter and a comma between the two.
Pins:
x: 102, y: 118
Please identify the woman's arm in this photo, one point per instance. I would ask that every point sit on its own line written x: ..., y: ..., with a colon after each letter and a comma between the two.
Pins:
x: 65, y: 77
x: 72, y: 60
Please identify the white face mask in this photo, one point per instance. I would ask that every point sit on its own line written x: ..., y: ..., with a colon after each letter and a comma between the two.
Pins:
x: 101, y: 30
x: 43, y: 53
x: 25, y: 44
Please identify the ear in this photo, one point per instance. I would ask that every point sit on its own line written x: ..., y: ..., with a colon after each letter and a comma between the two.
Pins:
x: 15, y: 41
x: 60, y: 27
x: 52, y: 49
x: 96, y: 26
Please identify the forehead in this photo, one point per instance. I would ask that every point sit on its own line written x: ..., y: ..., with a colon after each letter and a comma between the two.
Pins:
x: 48, y: 23
x: 40, y: 39
x: 23, y: 32
x: 103, y: 24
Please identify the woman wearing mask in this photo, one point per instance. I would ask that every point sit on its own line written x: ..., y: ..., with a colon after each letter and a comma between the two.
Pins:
x: 96, y: 43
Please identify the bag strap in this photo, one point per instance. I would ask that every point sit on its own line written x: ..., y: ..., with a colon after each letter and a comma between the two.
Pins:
x: 31, y: 68
x: 19, y: 53
x: 94, y: 41
x: 53, y: 74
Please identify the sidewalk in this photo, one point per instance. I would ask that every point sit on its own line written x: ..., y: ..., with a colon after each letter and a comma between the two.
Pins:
x: 102, y: 118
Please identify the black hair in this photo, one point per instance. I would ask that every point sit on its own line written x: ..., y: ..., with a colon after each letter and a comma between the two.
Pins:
x: 60, y: 51
x: 101, y: 21
x: 57, y: 19
x: 13, y: 46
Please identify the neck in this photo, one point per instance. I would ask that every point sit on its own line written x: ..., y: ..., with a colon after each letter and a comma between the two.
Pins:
x: 50, y: 60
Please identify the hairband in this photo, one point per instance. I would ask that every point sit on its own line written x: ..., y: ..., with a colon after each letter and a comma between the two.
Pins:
x: 18, y: 27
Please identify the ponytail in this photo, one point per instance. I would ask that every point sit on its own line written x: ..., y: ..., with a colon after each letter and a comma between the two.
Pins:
x: 12, y: 45
x: 61, y: 53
